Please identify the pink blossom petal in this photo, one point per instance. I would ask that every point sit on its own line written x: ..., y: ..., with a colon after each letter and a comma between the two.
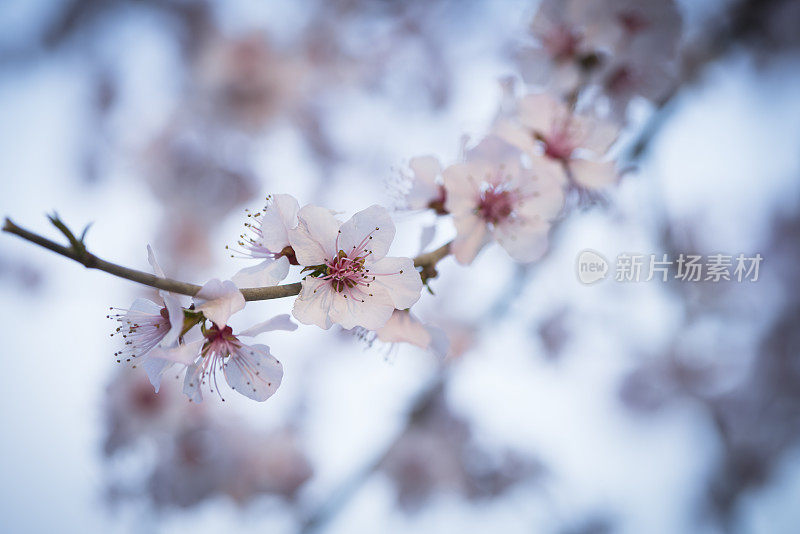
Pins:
x: 314, y: 303
x: 462, y: 182
x: 219, y: 300
x: 370, y: 314
x: 516, y: 135
x: 184, y: 354
x: 253, y: 372
x: 599, y: 135
x: 314, y: 238
x: 279, y: 322
x: 471, y: 238
x: 155, y: 367
x: 524, y: 241
x: 593, y: 174
x: 539, y: 112
x: 402, y: 327
x: 399, y: 278
x: 425, y: 168
x: 424, y: 188
x: 496, y: 151
x: 276, y: 221
x: 193, y: 381
x: 141, y: 305
x: 370, y: 229
x: 151, y: 258
x: 175, y: 314
x: 267, y: 273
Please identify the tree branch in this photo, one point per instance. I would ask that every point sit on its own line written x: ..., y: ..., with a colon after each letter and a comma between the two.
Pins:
x: 90, y: 261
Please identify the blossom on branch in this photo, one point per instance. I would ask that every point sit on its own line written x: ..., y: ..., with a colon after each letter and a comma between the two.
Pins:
x: 351, y: 281
x: 404, y: 327
x: 147, y: 325
x: 492, y: 196
x: 267, y: 238
x: 544, y: 126
x: 249, y: 369
x: 427, y: 190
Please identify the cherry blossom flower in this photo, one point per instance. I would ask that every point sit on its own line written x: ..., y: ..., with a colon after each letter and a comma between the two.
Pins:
x: 497, y: 198
x: 644, y: 37
x: 352, y: 281
x: 249, y: 82
x: 147, y: 325
x: 267, y: 238
x: 249, y: 369
x: 562, y: 50
x: 651, y: 29
x: 404, y: 327
x: 546, y: 127
x: 631, y: 75
x: 427, y: 190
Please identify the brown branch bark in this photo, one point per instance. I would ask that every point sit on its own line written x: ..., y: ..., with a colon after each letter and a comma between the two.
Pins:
x: 90, y: 261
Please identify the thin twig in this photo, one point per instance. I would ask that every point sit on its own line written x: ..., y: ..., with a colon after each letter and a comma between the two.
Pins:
x: 90, y: 261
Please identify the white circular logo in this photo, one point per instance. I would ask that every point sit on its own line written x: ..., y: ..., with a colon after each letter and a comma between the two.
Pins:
x: 591, y: 266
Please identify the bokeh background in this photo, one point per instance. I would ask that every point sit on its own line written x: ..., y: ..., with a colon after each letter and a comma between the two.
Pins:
x: 560, y: 408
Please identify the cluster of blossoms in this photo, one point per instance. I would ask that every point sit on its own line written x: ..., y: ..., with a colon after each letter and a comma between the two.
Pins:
x: 622, y: 48
x: 349, y: 280
x: 511, y: 187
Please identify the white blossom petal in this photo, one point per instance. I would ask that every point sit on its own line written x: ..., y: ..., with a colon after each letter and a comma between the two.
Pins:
x: 402, y: 327
x: 175, y: 314
x: 276, y: 221
x: 516, y: 135
x: 314, y: 238
x: 314, y: 303
x: 193, y: 381
x: 267, y: 273
x: 151, y: 258
x: 524, y: 241
x: 425, y: 168
x: 253, y: 372
x: 540, y: 112
x: 462, y: 183
x: 472, y: 236
x: 184, y: 354
x: 424, y: 187
x: 399, y: 278
x: 598, y: 135
x: 371, y: 228
x: 155, y: 367
x: 279, y: 322
x: 219, y: 300
x: 370, y: 314
x: 593, y: 174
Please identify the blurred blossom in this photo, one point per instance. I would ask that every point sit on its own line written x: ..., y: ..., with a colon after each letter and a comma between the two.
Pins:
x: 198, y: 455
x: 493, y: 197
x: 436, y: 454
x: 135, y: 413
x: 575, y: 145
x: 248, y: 83
x: 227, y: 460
x: 555, y: 333
x: 627, y: 47
x: 404, y: 327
